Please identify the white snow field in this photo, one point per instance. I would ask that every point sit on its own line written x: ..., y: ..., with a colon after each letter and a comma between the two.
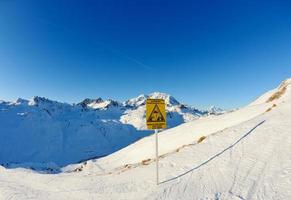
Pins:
x: 245, y: 155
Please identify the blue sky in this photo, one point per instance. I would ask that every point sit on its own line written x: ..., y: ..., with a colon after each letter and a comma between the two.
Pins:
x: 222, y: 53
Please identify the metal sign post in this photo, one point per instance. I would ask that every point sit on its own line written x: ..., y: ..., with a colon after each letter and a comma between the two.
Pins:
x: 157, y: 155
x: 156, y: 119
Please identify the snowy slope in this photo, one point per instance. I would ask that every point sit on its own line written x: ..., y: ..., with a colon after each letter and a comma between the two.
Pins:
x: 42, y: 131
x: 187, y: 133
x: 174, y: 138
x: 246, y: 155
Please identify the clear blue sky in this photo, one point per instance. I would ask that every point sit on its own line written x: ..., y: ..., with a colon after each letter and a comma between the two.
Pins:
x: 222, y: 53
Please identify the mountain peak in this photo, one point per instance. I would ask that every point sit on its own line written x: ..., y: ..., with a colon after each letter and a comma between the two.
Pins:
x: 98, y: 103
x: 137, y: 101
x: 141, y: 99
x: 36, y: 100
x: 170, y: 100
x: 87, y: 102
x: 215, y: 110
x: 21, y: 101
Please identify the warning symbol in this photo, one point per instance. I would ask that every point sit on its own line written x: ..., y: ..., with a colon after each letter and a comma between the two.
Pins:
x: 156, y: 114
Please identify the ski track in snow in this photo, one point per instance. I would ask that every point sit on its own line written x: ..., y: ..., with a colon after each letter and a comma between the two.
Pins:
x: 243, y: 162
x: 254, y: 166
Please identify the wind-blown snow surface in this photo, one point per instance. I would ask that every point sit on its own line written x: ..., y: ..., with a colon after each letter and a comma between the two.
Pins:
x: 44, y: 132
x: 246, y: 155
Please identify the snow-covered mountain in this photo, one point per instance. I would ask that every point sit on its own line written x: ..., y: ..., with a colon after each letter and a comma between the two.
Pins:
x: 244, y: 154
x: 45, y: 131
x: 41, y: 131
x: 215, y: 110
x: 176, y: 137
x: 177, y: 113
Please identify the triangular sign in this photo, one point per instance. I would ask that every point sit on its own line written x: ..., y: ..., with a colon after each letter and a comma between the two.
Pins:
x: 156, y: 115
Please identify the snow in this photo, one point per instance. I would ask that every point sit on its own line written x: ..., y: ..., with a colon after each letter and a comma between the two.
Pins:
x: 215, y: 110
x: 249, y: 161
x: 177, y: 113
x: 264, y: 98
x: 141, y: 99
x: 172, y: 139
x: 246, y: 155
x: 46, y: 131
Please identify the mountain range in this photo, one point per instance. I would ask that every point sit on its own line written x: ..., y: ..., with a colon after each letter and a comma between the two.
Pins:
x: 242, y: 154
x: 46, y: 132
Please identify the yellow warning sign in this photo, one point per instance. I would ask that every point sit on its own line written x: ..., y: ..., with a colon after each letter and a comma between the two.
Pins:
x: 156, y: 114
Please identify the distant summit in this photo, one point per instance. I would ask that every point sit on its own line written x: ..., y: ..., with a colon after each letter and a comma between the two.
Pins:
x: 141, y: 99
x: 215, y: 110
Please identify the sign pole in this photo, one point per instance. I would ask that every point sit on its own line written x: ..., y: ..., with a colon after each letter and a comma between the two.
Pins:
x: 156, y: 119
x: 157, y: 156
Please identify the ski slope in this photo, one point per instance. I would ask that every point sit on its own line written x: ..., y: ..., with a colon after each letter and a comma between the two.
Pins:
x: 246, y: 155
